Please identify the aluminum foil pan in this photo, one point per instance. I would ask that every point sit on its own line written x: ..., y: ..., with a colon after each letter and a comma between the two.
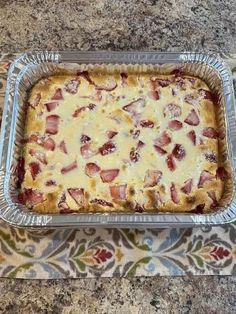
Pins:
x: 30, y: 67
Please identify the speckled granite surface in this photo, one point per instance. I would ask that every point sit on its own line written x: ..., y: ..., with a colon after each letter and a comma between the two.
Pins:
x: 116, y: 24
x: 123, y: 296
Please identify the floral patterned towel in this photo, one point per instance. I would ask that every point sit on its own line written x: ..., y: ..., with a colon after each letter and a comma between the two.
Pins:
x: 114, y: 252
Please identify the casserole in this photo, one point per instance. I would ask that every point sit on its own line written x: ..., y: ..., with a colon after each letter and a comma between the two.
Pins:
x: 31, y: 67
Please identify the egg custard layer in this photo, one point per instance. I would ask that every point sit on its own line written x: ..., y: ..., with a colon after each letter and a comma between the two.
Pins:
x: 121, y: 142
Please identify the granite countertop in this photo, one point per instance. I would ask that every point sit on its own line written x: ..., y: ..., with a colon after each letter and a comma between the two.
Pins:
x: 161, y: 295
x: 118, y: 24
x: 165, y: 25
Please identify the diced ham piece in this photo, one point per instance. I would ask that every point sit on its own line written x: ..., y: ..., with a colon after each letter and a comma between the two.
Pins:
x: 91, y: 169
x: 86, y: 76
x: 191, y: 99
x: 77, y: 112
x: 160, y: 150
x: 204, y: 177
x: 48, y: 143
x: 77, y: 194
x: 52, y: 123
x: 118, y: 191
x: 36, y: 100
x: 69, y: 168
x: 135, y: 133
x: 63, y: 206
x: 192, y: 118
x: 181, y: 83
x: 163, y: 140
x: 187, y: 187
x: 139, y: 208
x: 34, y: 138
x: 91, y: 107
x: 20, y: 170
x: 72, y: 86
x: 210, y: 133
x: 212, y: 196
x: 222, y: 173
x: 178, y: 152
x: 146, y: 124
x: 58, y: 95
x: 38, y: 155
x: 154, y: 95
x: 209, y: 95
x: 192, y: 136
x: 109, y: 86
x: 171, y: 162
x: 85, y: 139
x: 152, y: 178
x: 62, y: 147
x: 31, y: 197
x: 163, y: 83
x: 135, y: 107
x: 198, y: 209
x: 111, y: 134
x: 140, y: 145
x: 173, y: 110
x: 86, y: 152
x: 174, y: 193
x: 154, y: 84
x: 101, y: 202
x: 51, y: 105
x: 134, y: 153
x: 107, y: 148
x: 178, y: 72
x: 175, y: 125
x: 109, y: 175
x: 50, y: 183
x: 124, y: 77
x: 35, y: 169
x: 211, y: 157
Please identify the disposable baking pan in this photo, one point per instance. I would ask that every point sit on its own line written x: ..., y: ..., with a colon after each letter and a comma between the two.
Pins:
x: 30, y: 67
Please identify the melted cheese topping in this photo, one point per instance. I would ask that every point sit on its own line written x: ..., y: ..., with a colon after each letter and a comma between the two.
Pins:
x: 110, y: 94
